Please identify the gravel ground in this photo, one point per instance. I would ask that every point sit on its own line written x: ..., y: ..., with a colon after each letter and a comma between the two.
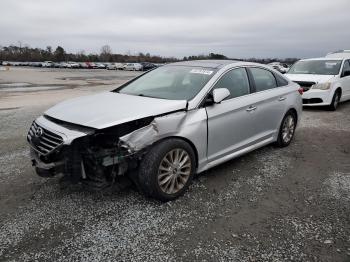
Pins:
x: 289, y: 204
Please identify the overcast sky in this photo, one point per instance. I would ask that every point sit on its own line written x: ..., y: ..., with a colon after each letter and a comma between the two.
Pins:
x: 236, y: 28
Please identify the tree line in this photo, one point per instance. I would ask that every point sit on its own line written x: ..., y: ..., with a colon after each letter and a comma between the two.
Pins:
x: 28, y: 54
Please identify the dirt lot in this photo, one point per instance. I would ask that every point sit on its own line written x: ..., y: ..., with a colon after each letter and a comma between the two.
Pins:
x: 273, y: 204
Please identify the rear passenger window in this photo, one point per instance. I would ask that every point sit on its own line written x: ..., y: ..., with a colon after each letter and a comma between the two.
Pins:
x: 236, y: 81
x: 280, y: 80
x: 263, y: 79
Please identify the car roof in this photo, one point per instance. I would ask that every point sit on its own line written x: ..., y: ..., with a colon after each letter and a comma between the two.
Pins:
x: 205, y: 63
x: 342, y: 54
x: 322, y: 58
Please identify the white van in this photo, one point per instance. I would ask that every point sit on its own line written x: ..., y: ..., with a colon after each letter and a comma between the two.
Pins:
x: 325, y: 81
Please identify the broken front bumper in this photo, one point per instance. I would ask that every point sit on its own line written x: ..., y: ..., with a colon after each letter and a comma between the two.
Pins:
x: 46, y: 140
x: 45, y: 169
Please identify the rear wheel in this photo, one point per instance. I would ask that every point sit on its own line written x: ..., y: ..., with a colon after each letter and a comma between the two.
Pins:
x: 335, y: 101
x: 167, y: 170
x: 287, y: 130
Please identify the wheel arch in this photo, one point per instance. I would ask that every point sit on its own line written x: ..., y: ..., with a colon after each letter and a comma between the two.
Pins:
x: 338, y: 89
x: 294, y: 112
x: 188, y: 141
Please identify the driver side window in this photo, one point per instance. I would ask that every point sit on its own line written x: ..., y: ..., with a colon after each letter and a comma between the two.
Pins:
x: 236, y: 81
x: 346, y: 67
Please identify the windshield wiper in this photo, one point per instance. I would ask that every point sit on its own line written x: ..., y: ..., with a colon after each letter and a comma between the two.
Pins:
x: 143, y: 95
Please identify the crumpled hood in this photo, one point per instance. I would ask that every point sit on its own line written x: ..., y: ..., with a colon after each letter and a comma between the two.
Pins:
x: 309, y: 78
x: 109, y: 109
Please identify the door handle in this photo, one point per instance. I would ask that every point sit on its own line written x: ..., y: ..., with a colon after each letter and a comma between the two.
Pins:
x: 251, y: 108
x: 281, y: 98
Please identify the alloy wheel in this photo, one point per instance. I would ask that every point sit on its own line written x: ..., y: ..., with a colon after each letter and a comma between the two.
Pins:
x: 174, y: 171
x: 288, y: 128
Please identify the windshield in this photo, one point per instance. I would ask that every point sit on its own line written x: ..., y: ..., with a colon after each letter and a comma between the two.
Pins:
x: 316, y: 67
x: 169, y: 82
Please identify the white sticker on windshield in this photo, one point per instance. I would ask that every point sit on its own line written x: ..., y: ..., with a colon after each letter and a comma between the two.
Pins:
x: 201, y: 71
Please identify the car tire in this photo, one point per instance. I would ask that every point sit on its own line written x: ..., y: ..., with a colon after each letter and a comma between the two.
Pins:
x: 287, y: 129
x: 161, y: 174
x: 335, y: 101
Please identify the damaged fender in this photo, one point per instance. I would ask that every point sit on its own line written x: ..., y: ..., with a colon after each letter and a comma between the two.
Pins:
x: 160, y: 127
x: 172, y: 125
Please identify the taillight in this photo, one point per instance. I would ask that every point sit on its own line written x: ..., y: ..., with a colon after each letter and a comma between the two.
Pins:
x: 301, y: 90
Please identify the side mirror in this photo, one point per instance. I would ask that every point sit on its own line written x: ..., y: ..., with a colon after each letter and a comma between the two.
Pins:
x: 346, y: 73
x: 220, y: 94
x: 209, y: 100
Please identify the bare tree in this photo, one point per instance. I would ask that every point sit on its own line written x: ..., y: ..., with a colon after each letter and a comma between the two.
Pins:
x: 106, y: 53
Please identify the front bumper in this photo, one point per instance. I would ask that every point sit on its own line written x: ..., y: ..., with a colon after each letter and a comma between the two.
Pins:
x: 47, y: 159
x: 315, y: 97
x: 45, y: 169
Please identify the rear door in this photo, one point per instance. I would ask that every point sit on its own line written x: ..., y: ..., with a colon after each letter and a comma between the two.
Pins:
x: 270, y: 101
x: 230, y: 123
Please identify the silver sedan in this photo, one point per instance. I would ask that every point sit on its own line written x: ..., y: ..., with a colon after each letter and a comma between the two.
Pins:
x: 162, y: 127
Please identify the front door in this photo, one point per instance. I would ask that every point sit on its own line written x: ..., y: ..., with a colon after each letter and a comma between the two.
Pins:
x: 231, y: 122
x: 345, y: 81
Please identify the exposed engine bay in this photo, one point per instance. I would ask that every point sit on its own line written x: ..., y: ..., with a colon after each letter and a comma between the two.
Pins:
x: 95, y: 157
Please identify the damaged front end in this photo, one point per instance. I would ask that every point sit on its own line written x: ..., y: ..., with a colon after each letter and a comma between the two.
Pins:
x: 95, y: 157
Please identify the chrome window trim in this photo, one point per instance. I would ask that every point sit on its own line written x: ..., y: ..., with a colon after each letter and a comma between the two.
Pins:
x: 215, y: 79
x: 211, y: 84
x: 249, y: 87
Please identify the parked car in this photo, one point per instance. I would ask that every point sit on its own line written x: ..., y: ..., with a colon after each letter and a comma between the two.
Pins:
x: 37, y: 64
x: 73, y: 65
x: 83, y: 65
x: 325, y: 81
x: 63, y: 65
x: 119, y: 66
x: 280, y: 67
x: 91, y: 65
x: 163, y: 127
x: 111, y: 66
x: 133, y: 66
x: 100, y: 65
x: 115, y: 66
x: 12, y: 63
x: 147, y: 66
x: 47, y: 64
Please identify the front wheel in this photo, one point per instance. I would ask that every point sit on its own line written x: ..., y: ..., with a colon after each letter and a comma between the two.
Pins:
x: 167, y: 170
x: 335, y: 101
x: 287, y: 130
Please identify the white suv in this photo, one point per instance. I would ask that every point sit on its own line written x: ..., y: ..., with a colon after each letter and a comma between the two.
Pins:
x: 133, y: 67
x: 325, y: 81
